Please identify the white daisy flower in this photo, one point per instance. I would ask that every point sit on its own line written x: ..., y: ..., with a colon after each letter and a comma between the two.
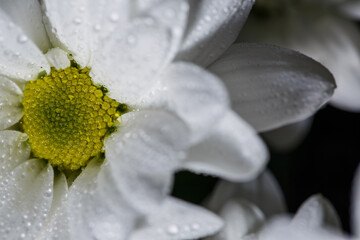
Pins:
x: 256, y: 211
x: 72, y: 168
x: 324, y: 30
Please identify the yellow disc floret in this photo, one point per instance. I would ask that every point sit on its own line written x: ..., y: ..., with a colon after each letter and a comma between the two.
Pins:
x: 67, y: 117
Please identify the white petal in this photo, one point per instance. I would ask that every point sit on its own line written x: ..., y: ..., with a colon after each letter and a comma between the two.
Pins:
x: 355, y: 204
x: 106, y: 17
x: 178, y: 220
x: 241, y: 218
x: 316, y: 212
x: 10, y: 103
x: 20, y: 58
x: 330, y: 39
x: 263, y: 192
x: 232, y: 151
x: 27, y: 15
x: 271, y: 86
x: 288, y: 137
x: 26, y: 199
x: 14, y: 149
x: 57, y: 58
x: 213, y: 28
x: 173, y: 14
x: 139, y: 57
x: 143, y: 154
x: 56, y: 225
x: 194, y: 95
x: 68, y: 33
x: 96, y: 210
x: 142, y: 6
x: 280, y: 230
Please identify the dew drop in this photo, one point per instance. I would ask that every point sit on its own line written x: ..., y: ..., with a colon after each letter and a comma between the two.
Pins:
x: 97, y: 27
x: 114, y: 17
x: 173, y: 229
x: 195, y: 226
x: 77, y: 21
x: 22, y: 38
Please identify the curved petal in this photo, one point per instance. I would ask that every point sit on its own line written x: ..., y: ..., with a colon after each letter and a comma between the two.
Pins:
x: 57, y: 58
x: 26, y: 199
x: 281, y: 230
x: 288, y: 137
x: 20, y: 58
x: 194, y: 95
x: 68, y: 33
x: 213, y: 27
x: 106, y: 17
x: 271, y: 86
x: 143, y: 154
x: 264, y: 192
x: 326, y: 37
x: 93, y: 216
x: 242, y: 219
x: 232, y: 151
x: 139, y: 57
x: 56, y: 225
x: 142, y: 6
x: 174, y: 15
x: 14, y: 149
x: 10, y: 103
x: 27, y: 14
x: 316, y: 212
x: 177, y: 220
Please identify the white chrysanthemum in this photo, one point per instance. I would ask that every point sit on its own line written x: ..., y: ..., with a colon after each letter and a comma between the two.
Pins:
x: 324, y: 30
x: 256, y: 211
x: 180, y: 116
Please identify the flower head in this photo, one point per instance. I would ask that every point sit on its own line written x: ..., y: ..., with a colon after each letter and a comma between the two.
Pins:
x: 112, y: 110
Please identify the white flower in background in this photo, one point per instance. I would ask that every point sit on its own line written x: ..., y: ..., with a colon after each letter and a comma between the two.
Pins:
x: 129, y: 60
x: 256, y: 211
x: 324, y: 30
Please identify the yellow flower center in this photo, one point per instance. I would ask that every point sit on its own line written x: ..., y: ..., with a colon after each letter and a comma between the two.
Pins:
x: 67, y: 117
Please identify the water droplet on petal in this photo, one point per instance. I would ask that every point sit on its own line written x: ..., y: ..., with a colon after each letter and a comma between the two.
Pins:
x: 22, y: 38
x: 77, y: 21
x: 173, y: 229
x: 114, y: 17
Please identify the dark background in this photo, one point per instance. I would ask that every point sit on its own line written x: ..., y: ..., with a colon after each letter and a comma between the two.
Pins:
x: 324, y: 163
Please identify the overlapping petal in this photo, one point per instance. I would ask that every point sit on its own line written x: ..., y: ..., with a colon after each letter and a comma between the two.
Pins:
x: 316, y: 212
x: 56, y: 225
x: 26, y: 199
x: 194, y: 95
x: 264, y: 192
x: 213, y: 27
x: 27, y: 15
x: 142, y: 155
x: 232, y: 151
x: 177, y: 220
x: 14, y: 148
x: 93, y: 216
x: 242, y: 220
x: 10, y: 103
x: 140, y: 55
x: 20, y: 58
x: 271, y: 86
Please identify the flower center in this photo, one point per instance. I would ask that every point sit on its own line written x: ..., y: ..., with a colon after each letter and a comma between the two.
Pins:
x: 67, y: 117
